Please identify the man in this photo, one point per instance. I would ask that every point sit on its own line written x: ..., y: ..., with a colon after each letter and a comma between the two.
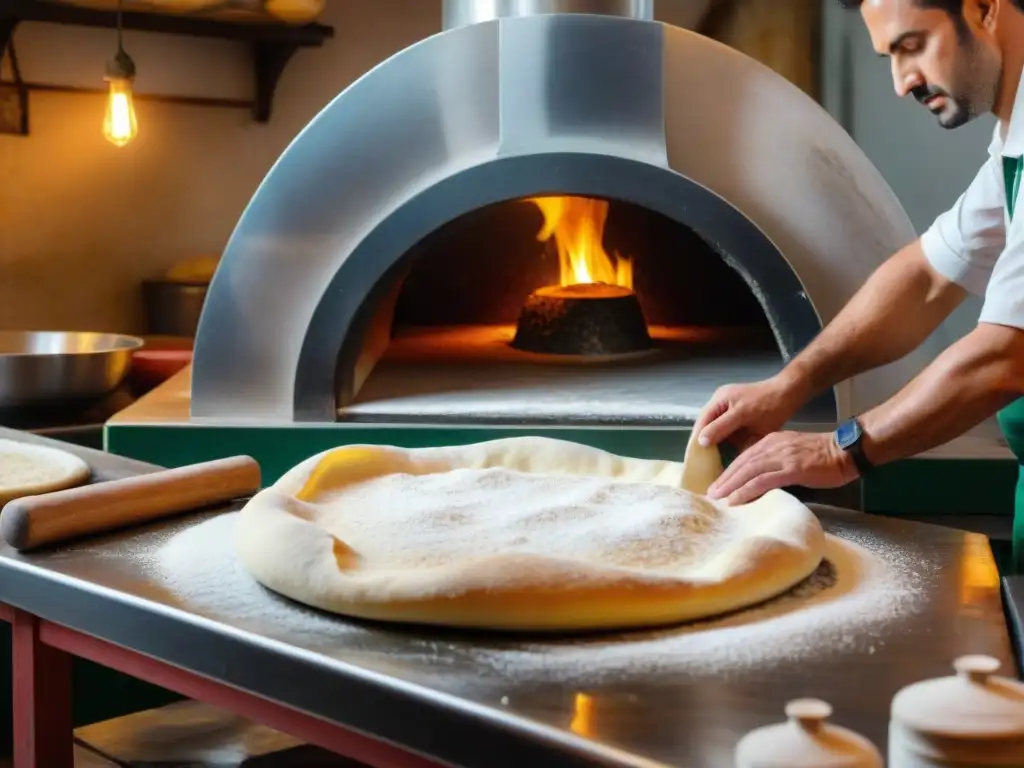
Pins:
x: 959, y: 59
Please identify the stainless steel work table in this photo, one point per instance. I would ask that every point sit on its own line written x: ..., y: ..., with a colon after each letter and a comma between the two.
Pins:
x: 418, y: 697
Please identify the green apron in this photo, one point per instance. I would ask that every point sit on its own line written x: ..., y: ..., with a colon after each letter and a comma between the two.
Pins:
x: 1011, y: 418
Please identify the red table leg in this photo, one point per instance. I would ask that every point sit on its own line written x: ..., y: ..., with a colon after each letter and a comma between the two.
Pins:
x: 41, y: 681
x: 43, y: 724
x: 313, y: 730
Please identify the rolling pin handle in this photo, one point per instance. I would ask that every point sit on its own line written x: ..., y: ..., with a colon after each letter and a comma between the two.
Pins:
x: 47, y: 518
x: 14, y: 523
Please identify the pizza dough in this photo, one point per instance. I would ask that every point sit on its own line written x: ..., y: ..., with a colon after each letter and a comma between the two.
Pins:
x: 27, y: 469
x: 525, y: 533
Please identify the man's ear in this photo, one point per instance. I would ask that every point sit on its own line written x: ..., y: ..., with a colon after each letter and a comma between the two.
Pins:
x: 986, y: 12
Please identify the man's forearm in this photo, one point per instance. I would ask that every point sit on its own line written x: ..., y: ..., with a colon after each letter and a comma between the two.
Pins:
x: 893, y: 312
x: 968, y: 382
x: 965, y: 385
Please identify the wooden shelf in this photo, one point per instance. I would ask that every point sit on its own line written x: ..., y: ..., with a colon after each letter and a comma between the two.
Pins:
x: 271, y: 44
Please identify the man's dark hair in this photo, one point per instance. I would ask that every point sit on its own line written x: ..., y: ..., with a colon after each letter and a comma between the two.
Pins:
x: 954, y: 8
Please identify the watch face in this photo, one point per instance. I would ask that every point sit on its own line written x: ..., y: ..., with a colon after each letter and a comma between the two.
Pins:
x: 847, y: 434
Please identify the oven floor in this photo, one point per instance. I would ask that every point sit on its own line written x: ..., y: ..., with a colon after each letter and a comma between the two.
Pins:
x: 470, y: 375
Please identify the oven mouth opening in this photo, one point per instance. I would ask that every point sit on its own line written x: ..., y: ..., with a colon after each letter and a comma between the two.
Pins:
x: 559, y: 310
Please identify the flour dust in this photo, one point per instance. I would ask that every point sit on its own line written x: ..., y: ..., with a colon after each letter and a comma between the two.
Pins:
x: 860, y: 594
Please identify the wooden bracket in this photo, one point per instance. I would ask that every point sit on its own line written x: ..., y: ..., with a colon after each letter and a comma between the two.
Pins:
x: 269, y: 62
x: 13, y: 95
x: 7, y: 25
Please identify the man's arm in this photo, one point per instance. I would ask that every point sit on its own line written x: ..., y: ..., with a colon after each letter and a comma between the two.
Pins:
x: 970, y: 381
x: 915, y: 290
x: 966, y: 384
x: 902, y: 302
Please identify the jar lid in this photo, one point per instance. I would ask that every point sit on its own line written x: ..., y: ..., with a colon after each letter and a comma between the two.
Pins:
x: 973, y: 704
x: 806, y: 740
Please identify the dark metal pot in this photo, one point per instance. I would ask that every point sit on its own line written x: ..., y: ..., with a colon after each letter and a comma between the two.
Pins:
x: 172, y: 307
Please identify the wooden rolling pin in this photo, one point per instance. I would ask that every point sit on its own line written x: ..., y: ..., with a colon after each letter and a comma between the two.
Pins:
x: 48, y: 518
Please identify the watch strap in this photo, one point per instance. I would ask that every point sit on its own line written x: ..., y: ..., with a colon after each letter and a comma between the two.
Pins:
x: 861, y: 461
x: 856, y: 451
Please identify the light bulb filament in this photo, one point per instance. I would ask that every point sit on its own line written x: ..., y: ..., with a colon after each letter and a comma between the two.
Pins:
x: 119, y: 123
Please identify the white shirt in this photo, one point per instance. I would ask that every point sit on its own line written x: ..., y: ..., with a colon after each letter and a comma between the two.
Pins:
x: 975, y: 244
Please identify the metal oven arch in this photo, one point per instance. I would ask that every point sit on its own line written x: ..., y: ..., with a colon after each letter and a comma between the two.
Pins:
x: 698, y: 121
x: 326, y: 366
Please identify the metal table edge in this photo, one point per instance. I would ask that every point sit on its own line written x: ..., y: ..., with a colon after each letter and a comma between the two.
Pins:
x: 1013, y: 608
x: 282, y: 668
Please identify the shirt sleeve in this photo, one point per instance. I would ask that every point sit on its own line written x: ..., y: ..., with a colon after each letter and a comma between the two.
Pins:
x: 1004, y: 299
x: 965, y: 242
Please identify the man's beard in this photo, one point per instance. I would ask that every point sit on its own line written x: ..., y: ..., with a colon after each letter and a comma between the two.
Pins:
x: 976, y: 80
x: 956, y: 112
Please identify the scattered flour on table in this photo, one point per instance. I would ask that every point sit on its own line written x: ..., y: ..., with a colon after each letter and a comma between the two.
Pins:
x: 859, y: 590
x: 200, y: 567
x: 866, y: 584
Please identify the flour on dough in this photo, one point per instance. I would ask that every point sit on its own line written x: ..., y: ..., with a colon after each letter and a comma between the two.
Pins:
x: 523, y: 533
x: 27, y: 469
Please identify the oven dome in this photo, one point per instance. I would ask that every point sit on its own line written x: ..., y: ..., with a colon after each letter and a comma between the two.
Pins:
x: 610, y: 107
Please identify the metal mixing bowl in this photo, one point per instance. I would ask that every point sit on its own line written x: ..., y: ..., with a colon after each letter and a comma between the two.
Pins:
x: 58, y: 367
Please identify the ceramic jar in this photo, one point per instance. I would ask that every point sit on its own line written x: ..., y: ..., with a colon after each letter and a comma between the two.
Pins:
x: 806, y: 740
x: 973, y: 718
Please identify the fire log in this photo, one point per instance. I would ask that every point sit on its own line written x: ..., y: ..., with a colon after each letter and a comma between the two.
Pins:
x: 583, y: 319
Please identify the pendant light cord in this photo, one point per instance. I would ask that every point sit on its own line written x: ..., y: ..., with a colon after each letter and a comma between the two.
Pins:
x: 120, y: 26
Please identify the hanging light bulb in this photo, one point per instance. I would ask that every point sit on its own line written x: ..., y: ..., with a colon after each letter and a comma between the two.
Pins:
x: 119, y: 123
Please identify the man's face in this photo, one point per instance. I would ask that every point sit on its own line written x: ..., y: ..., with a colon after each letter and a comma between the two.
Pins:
x: 950, y: 63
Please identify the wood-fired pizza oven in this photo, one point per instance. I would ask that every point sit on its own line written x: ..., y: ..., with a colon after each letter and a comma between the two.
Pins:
x: 546, y: 218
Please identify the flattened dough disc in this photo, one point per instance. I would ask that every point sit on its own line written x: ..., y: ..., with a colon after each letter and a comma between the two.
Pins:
x: 524, y: 533
x: 27, y: 469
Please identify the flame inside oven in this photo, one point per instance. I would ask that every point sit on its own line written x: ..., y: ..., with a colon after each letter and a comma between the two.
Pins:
x: 576, y: 225
x: 593, y: 310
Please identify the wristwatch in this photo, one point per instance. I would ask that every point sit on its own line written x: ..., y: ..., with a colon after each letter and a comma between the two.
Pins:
x: 849, y: 438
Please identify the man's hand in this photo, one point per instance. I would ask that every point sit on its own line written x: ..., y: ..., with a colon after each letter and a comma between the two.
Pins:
x: 812, y: 460
x: 744, y: 413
